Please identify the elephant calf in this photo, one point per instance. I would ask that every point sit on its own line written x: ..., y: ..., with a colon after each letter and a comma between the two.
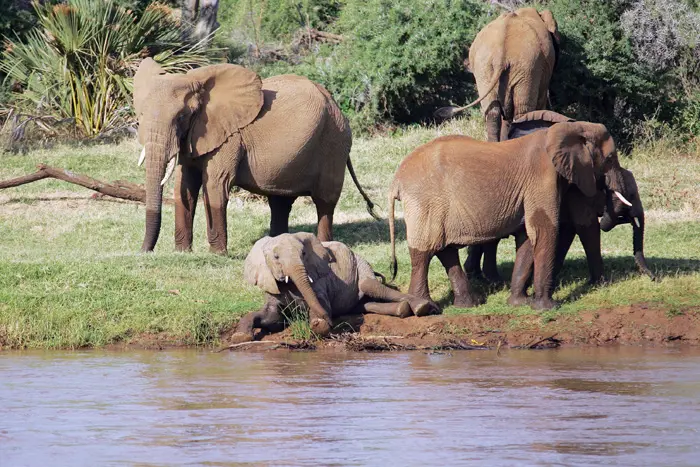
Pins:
x: 328, y: 276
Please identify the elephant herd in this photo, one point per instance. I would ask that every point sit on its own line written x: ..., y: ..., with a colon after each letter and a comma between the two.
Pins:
x: 540, y: 176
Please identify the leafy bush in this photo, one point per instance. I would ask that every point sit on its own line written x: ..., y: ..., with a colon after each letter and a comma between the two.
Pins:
x: 78, y: 61
x: 399, y: 60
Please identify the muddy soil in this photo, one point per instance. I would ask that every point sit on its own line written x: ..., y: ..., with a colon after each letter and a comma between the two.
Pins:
x: 636, y: 324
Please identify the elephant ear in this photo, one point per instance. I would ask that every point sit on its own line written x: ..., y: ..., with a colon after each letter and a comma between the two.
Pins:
x: 143, y: 81
x: 231, y: 99
x: 569, y: 149
x: 255, y: 270
x: 317, y: 258
x: 551, y: 24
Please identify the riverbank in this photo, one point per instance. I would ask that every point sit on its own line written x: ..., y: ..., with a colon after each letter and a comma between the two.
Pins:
x: 71, y: 275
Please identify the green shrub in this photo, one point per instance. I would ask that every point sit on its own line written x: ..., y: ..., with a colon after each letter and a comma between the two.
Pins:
x: 78, y: 61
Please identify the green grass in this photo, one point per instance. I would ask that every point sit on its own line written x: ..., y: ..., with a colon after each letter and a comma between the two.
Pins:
x: 71, y: 274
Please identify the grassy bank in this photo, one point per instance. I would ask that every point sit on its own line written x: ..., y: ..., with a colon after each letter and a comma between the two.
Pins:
x: 71, y: 274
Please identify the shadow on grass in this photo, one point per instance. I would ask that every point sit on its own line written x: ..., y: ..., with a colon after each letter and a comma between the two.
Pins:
x: 617, y: 269
x: 356, y: 233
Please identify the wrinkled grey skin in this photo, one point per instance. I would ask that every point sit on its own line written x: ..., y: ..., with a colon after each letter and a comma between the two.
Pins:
x: 328, y: 276
x: 579, y: 216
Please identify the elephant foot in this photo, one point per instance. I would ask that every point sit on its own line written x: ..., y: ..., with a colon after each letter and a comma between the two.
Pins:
x: 518, y: 300
x: 240, y: 337
x: 218, y: 250
x: 422, y: 307
x: 403, y: 310
x: 596, y: 280
x: 320, y: 327
x: 466, y: 302
x: 545, y: 303
x: 493, y: 278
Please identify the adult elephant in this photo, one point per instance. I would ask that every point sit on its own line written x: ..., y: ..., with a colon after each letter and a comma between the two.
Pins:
x: 221, y: 126
x: 480, y: 191
x: 512, y: 58
x: 328, y: 276
x: 578, y: 217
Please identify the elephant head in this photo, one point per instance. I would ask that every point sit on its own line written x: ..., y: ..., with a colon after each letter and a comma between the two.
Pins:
x: 187, y: 115
x: 301, y: 257
x: 627, y: 209
x: 585, y: 155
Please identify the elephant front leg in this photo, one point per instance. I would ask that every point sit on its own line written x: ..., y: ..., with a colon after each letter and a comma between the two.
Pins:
x: 464, y: 297
x: 490, y: 264
x: 215, y: 203
x: 472, y: 265
x: 566, y: 236
x: 265, y: 318
x: 522, y: 270
x: 378, y: 291
x: 188, y: 181
x: 590, y: 239
x: 544, y: 254
x: 399, y: 309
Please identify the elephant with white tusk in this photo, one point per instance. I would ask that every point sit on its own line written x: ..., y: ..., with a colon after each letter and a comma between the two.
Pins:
x: 221, y: 126
x: 578, y: 217
x: 458, y: 191
x: 328, y: 276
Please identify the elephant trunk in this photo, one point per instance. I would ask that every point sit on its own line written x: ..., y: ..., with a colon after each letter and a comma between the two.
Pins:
x: 606, y: 222
x: 318, y: 316
x: 155, y: 171
x: 638, y: 247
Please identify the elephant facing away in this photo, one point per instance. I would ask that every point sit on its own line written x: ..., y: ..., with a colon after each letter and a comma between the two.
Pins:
x: 512, y: 58
x: 328, y: 276
x: 458, y: 191
x: 578, y: 216
x: 220, y: 126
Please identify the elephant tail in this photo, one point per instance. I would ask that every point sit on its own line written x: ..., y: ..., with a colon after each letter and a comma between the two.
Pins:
x: 370, y: 204
x: 450, y: 111
x: 393, y: 196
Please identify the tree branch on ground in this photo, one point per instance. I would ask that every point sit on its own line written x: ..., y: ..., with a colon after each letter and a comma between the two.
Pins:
x: 117, y: 189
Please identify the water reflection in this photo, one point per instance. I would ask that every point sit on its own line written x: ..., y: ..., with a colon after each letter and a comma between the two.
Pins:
x: 568, y: 407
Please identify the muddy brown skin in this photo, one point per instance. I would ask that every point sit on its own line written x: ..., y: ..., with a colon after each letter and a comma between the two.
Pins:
x: 512, y: 59
x: 579, y: 216
x: 221, y: 126
x: 453, y: 198
x: 330, y: 278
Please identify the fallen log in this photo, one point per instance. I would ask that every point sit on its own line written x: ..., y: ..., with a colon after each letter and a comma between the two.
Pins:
x: 117, y: 189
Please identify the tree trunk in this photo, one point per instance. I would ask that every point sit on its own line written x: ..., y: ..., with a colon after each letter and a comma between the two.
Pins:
x: 199, y: 18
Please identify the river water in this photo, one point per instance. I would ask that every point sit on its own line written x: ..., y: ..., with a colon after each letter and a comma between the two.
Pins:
x: 620, y: 406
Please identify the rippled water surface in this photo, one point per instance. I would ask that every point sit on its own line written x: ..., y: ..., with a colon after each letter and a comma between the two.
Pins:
x: 624, y: 406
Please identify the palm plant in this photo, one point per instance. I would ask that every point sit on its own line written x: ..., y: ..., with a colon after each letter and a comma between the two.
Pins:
x: 78, y: 62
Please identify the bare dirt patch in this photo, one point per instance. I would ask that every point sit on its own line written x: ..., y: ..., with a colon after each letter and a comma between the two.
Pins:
x: 632, y: 325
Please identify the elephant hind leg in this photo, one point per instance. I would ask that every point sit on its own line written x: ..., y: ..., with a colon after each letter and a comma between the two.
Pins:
x: 280, y: 207
x: 376, y: 290
x: 472, y: 265
x: 493, y: 116
x: 464, y: 297
x: 324, y: 211
x: 420, y: 262
x: 398, y: 309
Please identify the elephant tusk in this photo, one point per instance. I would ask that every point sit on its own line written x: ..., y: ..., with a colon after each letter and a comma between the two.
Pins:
x: 142, y: 157
x: 286, y: 279
x: 636, y: 221
x: 622, y: 198
x: 168, y: 171
x: 311, y: 280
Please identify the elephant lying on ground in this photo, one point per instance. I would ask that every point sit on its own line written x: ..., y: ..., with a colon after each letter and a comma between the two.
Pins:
x: 458, y: 191
x: 328, y: 276
x: 512, y: 58
x: 221, y: 126
x: 579, y: 216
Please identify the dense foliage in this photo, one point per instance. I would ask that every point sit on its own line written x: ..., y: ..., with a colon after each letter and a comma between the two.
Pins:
x: 624, y: 63
x: 77, y: 62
